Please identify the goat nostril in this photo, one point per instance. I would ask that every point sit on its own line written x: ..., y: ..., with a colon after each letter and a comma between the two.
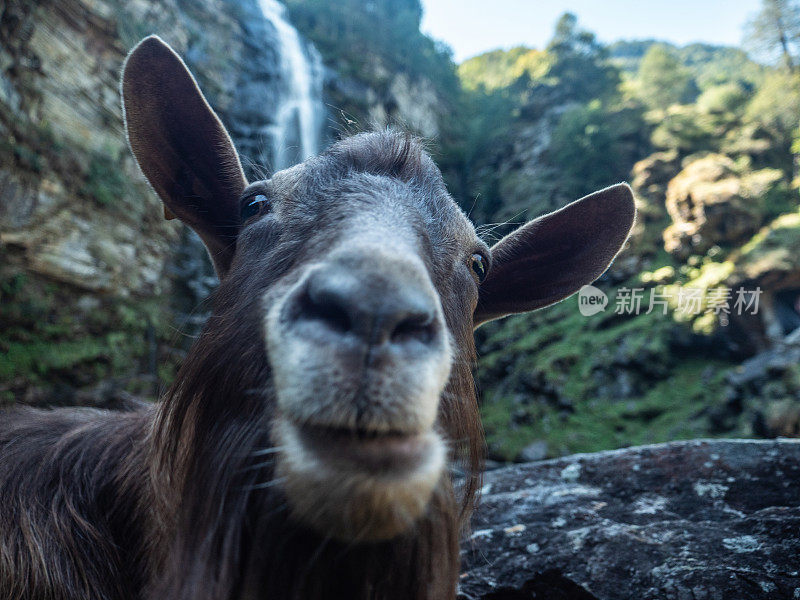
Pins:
x: 417, y: 326
x: 326, y: 307
x: 368, y: 308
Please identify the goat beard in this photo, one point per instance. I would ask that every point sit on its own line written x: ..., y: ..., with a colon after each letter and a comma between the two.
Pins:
x: 287, y: 560
x: 278, y: 558
x: 232, y: 534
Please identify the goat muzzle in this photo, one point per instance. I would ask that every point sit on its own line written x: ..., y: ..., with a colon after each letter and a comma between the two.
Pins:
x: 360, y: 356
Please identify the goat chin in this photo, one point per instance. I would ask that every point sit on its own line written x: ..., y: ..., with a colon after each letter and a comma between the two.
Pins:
x: 350, y: 503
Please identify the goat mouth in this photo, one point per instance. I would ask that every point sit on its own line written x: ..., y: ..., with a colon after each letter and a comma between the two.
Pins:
x: 369, y: 452
x: 351, y: 484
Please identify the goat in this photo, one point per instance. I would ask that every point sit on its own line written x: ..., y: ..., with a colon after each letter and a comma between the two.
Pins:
x: 305, y: 448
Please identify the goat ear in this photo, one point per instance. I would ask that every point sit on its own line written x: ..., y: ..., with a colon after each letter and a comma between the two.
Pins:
x: 552, y: 257
x: 182, y: 147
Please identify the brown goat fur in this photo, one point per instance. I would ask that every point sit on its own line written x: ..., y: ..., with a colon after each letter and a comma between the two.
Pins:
x: 205, y: 496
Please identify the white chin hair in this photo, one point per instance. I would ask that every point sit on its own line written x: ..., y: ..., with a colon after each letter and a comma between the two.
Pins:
x: 353, y: 505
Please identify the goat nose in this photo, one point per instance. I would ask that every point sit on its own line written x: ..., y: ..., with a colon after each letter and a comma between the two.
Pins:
x: 369, y: 306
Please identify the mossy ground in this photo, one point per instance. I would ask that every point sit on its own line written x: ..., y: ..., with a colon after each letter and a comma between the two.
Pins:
x: 48, y: 341
x: 672, y: 409
x: 583, y: 384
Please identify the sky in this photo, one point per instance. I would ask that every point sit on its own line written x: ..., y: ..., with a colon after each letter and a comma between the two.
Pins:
x: 471, y: 27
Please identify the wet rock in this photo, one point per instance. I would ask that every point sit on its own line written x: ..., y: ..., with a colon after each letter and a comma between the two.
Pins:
x: 712, y: 519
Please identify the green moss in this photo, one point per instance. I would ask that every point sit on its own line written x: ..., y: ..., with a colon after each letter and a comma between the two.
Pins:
x: 783, y: 232
x: 45, y: 341
x: 39, y: 358
x: 584, y: 384
x: 104, y: 181
x: 670, y: 409
x: 502, y: 68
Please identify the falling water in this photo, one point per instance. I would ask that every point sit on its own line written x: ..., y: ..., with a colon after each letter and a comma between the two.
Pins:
x: 276, y: 120
x: 298, y: 120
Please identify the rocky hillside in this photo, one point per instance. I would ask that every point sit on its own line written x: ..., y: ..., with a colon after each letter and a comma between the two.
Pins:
x: 705, y: 137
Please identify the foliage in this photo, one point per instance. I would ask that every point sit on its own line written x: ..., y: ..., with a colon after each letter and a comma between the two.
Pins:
x: 723, y: 98
x: 500, y: 68
x: 45, y: 340
x: 580, y: 63
x: 682, y: 128
x: 571, y: 88
x: 708, y: 64
x: 588, y: 146
x: 712, y: 65
x: 663, y: 80
x: 776, y: 106
x: 777, y: 244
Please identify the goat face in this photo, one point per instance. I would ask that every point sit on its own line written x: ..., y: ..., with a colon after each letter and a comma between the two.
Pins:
x: 364, y: 281
x: 356, y: 330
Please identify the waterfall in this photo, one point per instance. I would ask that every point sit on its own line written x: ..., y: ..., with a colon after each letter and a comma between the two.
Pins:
x: 276, y: 120
x: 298, y: 119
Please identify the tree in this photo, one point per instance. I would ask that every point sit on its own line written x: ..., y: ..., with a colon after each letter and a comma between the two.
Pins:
x: 500, y: 68
x: 775, y: 110
x: 663, y: 80
x: 776, y: 29
x: 580, y: 63
x: 593, y: 146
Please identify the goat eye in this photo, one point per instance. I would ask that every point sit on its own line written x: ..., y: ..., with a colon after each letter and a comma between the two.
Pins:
x: 478, y: 264
x: 252, y: 205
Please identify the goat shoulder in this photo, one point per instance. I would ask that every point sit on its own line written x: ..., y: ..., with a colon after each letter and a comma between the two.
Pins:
x: 73, y: 483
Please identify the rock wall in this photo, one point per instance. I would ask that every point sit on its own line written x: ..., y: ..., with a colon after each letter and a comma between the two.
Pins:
x: 75, y: 207
x: 89, y: 265
x: 699, y: 520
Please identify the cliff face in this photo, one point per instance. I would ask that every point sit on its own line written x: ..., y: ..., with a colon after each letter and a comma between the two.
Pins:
x: 92, y: 278
x: 377, y: 98
x: 74, y: 209
x: 381, y: 69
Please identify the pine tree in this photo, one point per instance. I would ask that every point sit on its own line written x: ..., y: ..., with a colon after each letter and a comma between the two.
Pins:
x: 776, y: 30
